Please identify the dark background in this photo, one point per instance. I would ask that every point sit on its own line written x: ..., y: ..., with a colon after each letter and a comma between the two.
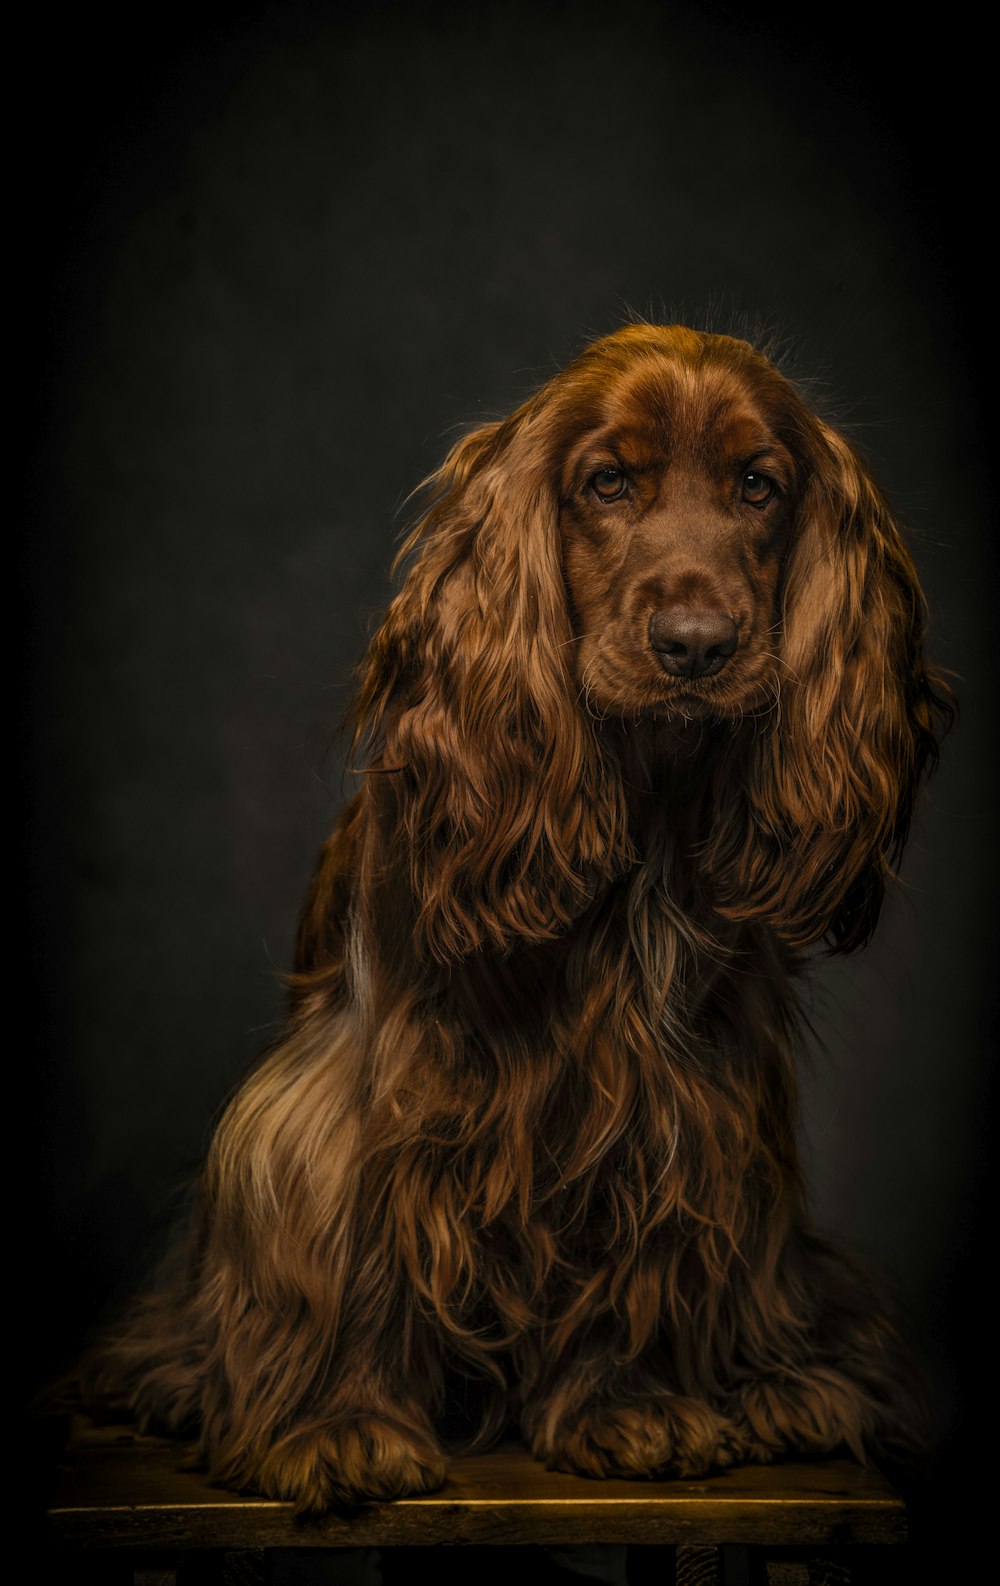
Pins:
x: 277, y: 259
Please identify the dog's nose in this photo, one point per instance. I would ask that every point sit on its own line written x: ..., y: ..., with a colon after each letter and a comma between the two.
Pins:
x: 692, y: 643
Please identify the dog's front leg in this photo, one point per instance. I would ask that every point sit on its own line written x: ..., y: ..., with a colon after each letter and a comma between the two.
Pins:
x: 594, y: 1407
x: 287, y: 1414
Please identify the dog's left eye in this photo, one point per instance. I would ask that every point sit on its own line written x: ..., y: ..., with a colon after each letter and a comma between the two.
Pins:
x: 757, y: 489
x: 609, y: 483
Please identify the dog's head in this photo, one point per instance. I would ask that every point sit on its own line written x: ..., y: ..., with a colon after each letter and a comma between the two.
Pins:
x: 664, y: 535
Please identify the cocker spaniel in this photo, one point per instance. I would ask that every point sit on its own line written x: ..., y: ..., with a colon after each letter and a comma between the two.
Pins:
x: 644, y: 722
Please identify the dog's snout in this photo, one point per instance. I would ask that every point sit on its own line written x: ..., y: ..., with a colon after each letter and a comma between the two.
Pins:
x: 691, y: 642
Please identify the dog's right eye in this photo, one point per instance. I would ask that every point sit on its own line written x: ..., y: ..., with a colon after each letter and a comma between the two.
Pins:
x: 609, y: 484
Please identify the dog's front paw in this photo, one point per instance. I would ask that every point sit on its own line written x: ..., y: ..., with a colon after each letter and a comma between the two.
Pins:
x: 668, y: 1436
x: 814, y: 1413
x: 366, y: 1457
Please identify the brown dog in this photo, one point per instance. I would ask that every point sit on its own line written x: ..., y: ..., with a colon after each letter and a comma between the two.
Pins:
x: 645, y: 720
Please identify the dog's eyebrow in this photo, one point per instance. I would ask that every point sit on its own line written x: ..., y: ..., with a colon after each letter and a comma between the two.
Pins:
x: 638, y: 447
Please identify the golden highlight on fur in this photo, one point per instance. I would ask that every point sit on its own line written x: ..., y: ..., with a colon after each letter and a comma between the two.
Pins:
x: 645, y: 721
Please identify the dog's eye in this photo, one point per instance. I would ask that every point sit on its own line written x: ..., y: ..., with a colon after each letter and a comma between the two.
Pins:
x: 757, y: 489
x: 609, y: 483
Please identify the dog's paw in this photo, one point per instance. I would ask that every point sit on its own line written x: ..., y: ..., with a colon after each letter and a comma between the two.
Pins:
x: 670, y: 1436
x: 814, y: 1413
x: 366, y: 1457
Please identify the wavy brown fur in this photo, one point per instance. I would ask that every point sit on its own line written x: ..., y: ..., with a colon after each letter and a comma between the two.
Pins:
x: 532, y: 1121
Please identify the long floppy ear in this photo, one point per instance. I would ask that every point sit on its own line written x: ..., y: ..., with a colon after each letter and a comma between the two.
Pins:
x: 831, y: 782
x: 483, y: 760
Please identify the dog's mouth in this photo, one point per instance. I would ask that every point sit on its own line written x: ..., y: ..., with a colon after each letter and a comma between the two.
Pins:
x: 666, y: 699
x: 715, y: 679
x: 697, y: 702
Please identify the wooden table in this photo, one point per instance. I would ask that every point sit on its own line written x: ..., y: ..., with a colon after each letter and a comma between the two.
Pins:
x: 113, y: 1490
